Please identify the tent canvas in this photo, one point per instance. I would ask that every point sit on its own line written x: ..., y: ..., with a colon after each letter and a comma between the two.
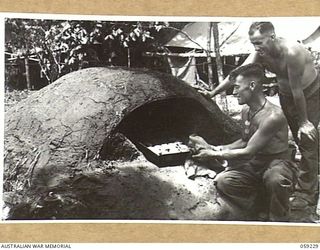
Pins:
x: 313, y: 41
x: 233, y: 36
x: 233, y: 40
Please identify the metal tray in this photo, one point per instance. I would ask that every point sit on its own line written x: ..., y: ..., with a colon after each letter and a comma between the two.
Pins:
x: 165, y: 159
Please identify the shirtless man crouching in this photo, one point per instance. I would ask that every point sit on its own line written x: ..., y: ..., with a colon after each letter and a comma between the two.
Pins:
x: 265, y: 141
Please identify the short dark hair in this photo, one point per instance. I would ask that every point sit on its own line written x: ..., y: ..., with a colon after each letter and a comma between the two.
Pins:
x: 262, y: 27
x: 255, y: 70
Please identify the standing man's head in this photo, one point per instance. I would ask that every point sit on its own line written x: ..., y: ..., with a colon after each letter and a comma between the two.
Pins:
x: 262, y: 37
x: 248, y: 82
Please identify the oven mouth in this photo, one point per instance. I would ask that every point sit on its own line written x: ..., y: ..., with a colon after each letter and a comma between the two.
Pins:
x: 169, y: 122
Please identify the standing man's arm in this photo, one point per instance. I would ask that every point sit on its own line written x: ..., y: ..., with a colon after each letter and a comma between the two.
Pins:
x: 295, y: 65
x: 226, y: 83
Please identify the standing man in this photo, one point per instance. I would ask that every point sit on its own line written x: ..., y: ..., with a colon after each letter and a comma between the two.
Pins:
x: 268, y: 175
x: 299, y: 83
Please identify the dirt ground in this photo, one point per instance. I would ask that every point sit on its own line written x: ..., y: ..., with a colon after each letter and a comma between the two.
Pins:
x: 124, y: 190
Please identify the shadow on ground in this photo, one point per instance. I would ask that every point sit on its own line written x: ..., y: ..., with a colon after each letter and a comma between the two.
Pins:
x: 136, y: 190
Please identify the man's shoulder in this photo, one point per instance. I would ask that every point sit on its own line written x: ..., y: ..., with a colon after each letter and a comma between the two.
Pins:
x: 274, y: 114
x: 293, y: 50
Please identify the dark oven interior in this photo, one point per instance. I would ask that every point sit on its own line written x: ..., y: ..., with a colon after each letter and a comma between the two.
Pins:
x: 170, y: 120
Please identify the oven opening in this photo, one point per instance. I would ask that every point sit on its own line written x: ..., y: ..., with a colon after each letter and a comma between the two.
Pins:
x: 160, y: 129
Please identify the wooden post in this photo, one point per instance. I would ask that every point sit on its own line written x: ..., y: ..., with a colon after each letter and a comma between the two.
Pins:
x: 209, y: 59
x: 26, y: 64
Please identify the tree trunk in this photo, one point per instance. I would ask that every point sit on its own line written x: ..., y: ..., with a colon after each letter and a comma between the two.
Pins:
x: 26, y: 64
x: 217, y: 51
x: 219, y: 66
x: 209, y: 60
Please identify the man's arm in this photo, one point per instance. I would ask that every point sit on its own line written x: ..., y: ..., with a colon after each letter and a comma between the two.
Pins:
x: 267, y: 129
x: 197, y: 143
x: 226, y: 83
x: 237, y: 144
x: 295, y: 66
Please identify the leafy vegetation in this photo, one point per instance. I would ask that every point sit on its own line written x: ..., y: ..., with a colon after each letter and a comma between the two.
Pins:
x: 62, y: 46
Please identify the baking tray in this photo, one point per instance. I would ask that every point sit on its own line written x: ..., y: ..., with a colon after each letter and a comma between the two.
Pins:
x: 164, y: 158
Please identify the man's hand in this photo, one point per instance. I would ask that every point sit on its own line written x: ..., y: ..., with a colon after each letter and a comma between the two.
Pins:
x: 197, y: 143
x: 206, y: 93
x: 205, y: 154
x: 308, y: 129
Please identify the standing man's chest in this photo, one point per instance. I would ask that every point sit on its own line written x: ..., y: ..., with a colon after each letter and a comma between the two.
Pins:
x: 277, y: 66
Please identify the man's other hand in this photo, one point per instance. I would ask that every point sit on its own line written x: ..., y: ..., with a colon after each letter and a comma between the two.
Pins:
x: 308, y: 129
